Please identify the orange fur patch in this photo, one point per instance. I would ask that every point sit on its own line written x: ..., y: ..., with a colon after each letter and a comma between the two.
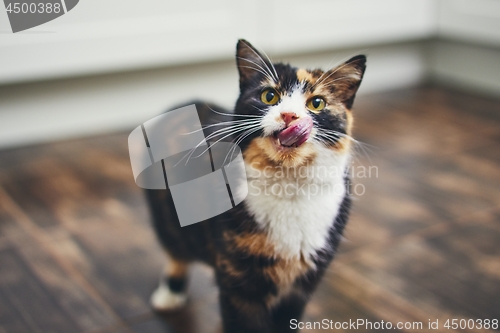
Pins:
x: 225, y: 265
x: 262, y: 153
x: 176, y: 269
x: 350, y: 121
x: 255, y: 244
x: 343, y: 145
x: 284, y: 273
x: 305, y: 75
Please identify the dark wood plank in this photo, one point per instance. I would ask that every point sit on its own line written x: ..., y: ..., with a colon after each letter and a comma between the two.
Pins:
x: 38, y: 307
x: 153, y: 326
x: 330, y: 303
x: 37, y: 290
x: 453, y: 272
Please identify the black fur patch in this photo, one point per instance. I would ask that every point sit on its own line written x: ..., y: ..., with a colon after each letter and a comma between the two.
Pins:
x: 176, y: 285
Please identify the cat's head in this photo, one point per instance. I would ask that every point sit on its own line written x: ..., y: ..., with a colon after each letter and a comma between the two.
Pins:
x: 294, y: 113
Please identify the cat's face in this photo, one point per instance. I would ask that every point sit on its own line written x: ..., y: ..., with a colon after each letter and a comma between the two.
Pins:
x: 295, y: 112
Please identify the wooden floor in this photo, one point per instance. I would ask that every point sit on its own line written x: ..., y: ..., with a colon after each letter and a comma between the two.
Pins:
x: 77, y: 253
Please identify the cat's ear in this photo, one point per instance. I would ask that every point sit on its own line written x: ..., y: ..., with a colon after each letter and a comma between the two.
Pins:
x: 346, y: 79
x: 249, y: 61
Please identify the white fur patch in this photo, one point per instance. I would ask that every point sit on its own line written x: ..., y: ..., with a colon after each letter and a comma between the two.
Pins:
x: 163, y: 299
x: 294, y: 103
x: 297, y: 211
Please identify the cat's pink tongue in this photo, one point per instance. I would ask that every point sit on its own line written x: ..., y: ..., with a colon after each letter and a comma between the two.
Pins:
x: 296, y: 133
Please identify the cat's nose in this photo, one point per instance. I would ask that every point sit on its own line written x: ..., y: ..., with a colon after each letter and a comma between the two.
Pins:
x: 288, y: 117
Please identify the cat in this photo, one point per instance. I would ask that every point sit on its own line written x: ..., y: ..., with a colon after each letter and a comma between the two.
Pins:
x: 270, y: 251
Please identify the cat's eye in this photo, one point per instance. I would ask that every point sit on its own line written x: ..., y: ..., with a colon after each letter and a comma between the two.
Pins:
x: 316, y: 104
x: 269, y: 96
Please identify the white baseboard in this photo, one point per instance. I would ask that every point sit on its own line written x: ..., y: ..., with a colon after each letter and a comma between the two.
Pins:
x: 60, y: 109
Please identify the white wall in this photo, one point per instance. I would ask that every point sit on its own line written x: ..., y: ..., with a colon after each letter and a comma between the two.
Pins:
x: 465, y: 66
x: 467, y: 55
x: 114, y: 35
x: 474, y: 21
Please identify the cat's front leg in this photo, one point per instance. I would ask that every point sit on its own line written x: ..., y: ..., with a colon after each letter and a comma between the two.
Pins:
x: 289, y: 309
x: 241, y: 314
x: 243, y: 291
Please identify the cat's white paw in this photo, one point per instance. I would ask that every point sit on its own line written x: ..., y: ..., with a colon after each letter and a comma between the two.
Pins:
x: 163, y: 299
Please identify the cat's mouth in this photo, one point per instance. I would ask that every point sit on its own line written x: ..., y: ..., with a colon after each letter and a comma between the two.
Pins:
x: 295, y: 134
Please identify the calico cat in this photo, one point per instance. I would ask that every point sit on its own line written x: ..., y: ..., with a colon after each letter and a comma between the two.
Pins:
x: 270, y: 251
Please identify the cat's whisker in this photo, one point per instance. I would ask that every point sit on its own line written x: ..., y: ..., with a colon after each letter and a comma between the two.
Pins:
x: 329, y: 84
x: 365, y: 150
x: 260, y: 71
x: 325, y: 131
x: 334, y: 135
x: 219, y: 140
x: 260, y: 57
x: 221, y: 131
x: 230, y: 128
x: 233, y: 147
x: 332, y: 138
x: 232, y: 114
x: 335, y: 71
x: 259, y: 109
x: 234, y: 122
x: 189, y: 153
x: 242, y: 137
x: 342, y: 60
x: 270, y: 76
x: 271, y: 63
x: 328, y: 66
x: 328, y: 141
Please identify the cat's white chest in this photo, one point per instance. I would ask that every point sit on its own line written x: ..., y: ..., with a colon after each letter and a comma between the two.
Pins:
x: 297, y: 213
